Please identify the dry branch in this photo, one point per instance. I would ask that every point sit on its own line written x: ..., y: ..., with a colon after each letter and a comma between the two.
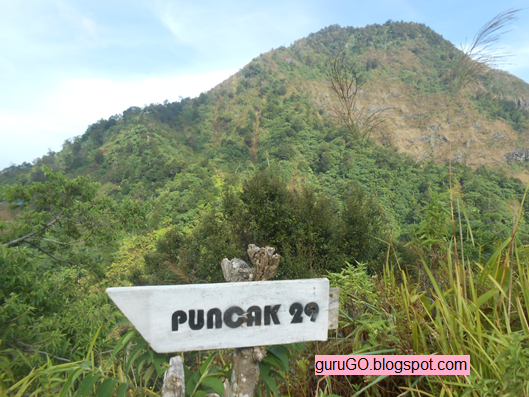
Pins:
x: 347, y: 84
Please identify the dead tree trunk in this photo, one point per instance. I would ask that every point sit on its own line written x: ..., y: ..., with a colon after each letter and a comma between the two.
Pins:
x: 246, y: 361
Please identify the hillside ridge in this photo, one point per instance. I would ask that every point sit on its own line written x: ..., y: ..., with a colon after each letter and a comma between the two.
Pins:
x: 242, y: 121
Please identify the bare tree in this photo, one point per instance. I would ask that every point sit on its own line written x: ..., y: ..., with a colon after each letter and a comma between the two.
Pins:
x: 347, y: 83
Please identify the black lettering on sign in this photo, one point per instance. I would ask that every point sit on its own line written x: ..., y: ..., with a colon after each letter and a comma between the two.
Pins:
x: 228, y: 314
x: 235, y: 316
x: 218, y: 318
x: 271, y: 313
x: 179, y: 317
x: 312, y: 309
x: 199, y: 323
x: 296, y: 310
x: 254, y: 316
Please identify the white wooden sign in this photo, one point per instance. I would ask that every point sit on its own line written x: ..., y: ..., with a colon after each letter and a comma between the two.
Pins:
x: 228, y: 315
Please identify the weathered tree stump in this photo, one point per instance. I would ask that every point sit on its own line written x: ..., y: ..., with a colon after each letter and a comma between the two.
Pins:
x: 265, y: 262
x: 236, y: 270
x: 245, y: 373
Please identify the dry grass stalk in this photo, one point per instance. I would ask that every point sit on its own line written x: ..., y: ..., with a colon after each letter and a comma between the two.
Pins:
x: 481, y: 53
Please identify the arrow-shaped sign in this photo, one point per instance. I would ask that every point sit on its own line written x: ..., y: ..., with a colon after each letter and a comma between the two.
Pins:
x: 218, y: 316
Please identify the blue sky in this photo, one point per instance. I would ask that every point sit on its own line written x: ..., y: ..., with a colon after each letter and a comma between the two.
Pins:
x: 64, y: 64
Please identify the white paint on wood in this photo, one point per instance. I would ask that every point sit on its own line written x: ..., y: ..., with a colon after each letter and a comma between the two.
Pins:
x: 150, y: 310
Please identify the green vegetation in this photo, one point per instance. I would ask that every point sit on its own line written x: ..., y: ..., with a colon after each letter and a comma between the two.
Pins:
x: 499, y: 108
x: 161, y: 194
x: 313, y: 233
x: 454, y: 309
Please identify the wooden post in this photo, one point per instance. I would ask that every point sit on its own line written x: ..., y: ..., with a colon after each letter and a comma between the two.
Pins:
x: 245, y: 373
x: 173, y: 380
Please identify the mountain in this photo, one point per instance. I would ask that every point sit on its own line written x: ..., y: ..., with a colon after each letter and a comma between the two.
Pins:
x: 419, y: 246
x: 278, y: 110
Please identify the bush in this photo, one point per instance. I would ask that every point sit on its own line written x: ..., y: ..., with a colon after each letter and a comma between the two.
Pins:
x: 311, y: 231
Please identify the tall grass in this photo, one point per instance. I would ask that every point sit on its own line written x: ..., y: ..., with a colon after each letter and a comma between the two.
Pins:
x: 460, y: 310
x: 479, y: 324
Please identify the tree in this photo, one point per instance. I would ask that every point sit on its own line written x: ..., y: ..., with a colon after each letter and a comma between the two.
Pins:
x: 44, y: 261
x: 311, y: 231
x: 61, y: 216
x: 99, y: 156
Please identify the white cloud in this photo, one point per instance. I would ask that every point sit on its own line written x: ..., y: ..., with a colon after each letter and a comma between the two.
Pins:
x: 76, y: 19
x: 76, y: 103
x: 235, y: 26
x: 179, y: 18
x: 38, y: 29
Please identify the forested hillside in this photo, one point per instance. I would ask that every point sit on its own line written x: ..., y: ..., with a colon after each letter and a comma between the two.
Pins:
x: 418, y: 217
